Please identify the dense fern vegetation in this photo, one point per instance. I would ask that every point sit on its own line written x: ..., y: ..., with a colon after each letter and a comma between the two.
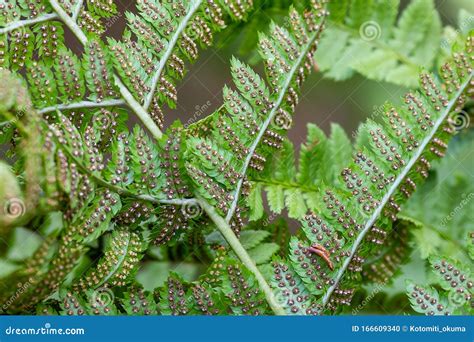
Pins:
x: 107, y: 210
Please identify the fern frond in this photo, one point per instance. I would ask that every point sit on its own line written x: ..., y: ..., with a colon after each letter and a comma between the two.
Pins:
x: 121, y: 256
x: 392, y: 159
x: 362, y: 37
x: 178, y: 28
x: 457, y: 289
x: 297, y: 189
x: 249, y: 125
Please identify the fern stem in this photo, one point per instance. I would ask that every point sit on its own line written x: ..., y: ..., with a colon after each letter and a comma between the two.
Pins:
x: 244, y: 257
x: 69, y: 22
x: 128, y: 97
x: 194, y: 6
x: 83, y: 104
x: 266, y: 123
x: 22, y: 23
x: 286, y: 185
x: 138, y: 109
x: 376, y: 214
x: 77, y: 10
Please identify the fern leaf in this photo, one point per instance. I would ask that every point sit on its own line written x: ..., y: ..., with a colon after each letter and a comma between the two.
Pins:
x: 121, y: 256
x: 366, y: 41
x: 383, y: 175
x: 248, y: 126
x: 320, y: 161
x: 239, y: 286
x: 428, y: 300
x: 136, y: 301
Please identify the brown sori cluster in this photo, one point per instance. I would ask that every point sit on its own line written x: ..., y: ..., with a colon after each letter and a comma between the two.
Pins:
x: 155, y: 111
x: 72, y: 306
x: 177, y: 65
x: 146, y: 34
x: 455, y: 278
x: 290, y: 293
x: 106, y: 6
x: 176, y: 186
x: 126, y: 64
x: 157, y: 15
x: 204, y: 301
x: 133, y: 213
x: 340, y: 297
x: 212, y: 155
x: 231, y: 138
x: 147, y: 159
x: 214, y: 11
x: 217, y: 193
x: 176, y: 298
x: 172, y: 222
x: 65, y: 259
x: 341, y: 214
x: 48, y: 42
x: 68, y: 5
x: 314, y: 268
x: 167, y: 89
x: 245, y: 298
x: 21, y: 42
x: 214, y: 272
x: 138, y: 302
x: 382, y: 271
x: 89, y: 22
x: 69, y: 78
x: 94, y: 162
x: 99, y: 215
x: 99, y: 74
x: 121, y: 256
x: 3, y: 52
x: 189, y: 46
x: 429, y: 303
x: 200, y: 29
